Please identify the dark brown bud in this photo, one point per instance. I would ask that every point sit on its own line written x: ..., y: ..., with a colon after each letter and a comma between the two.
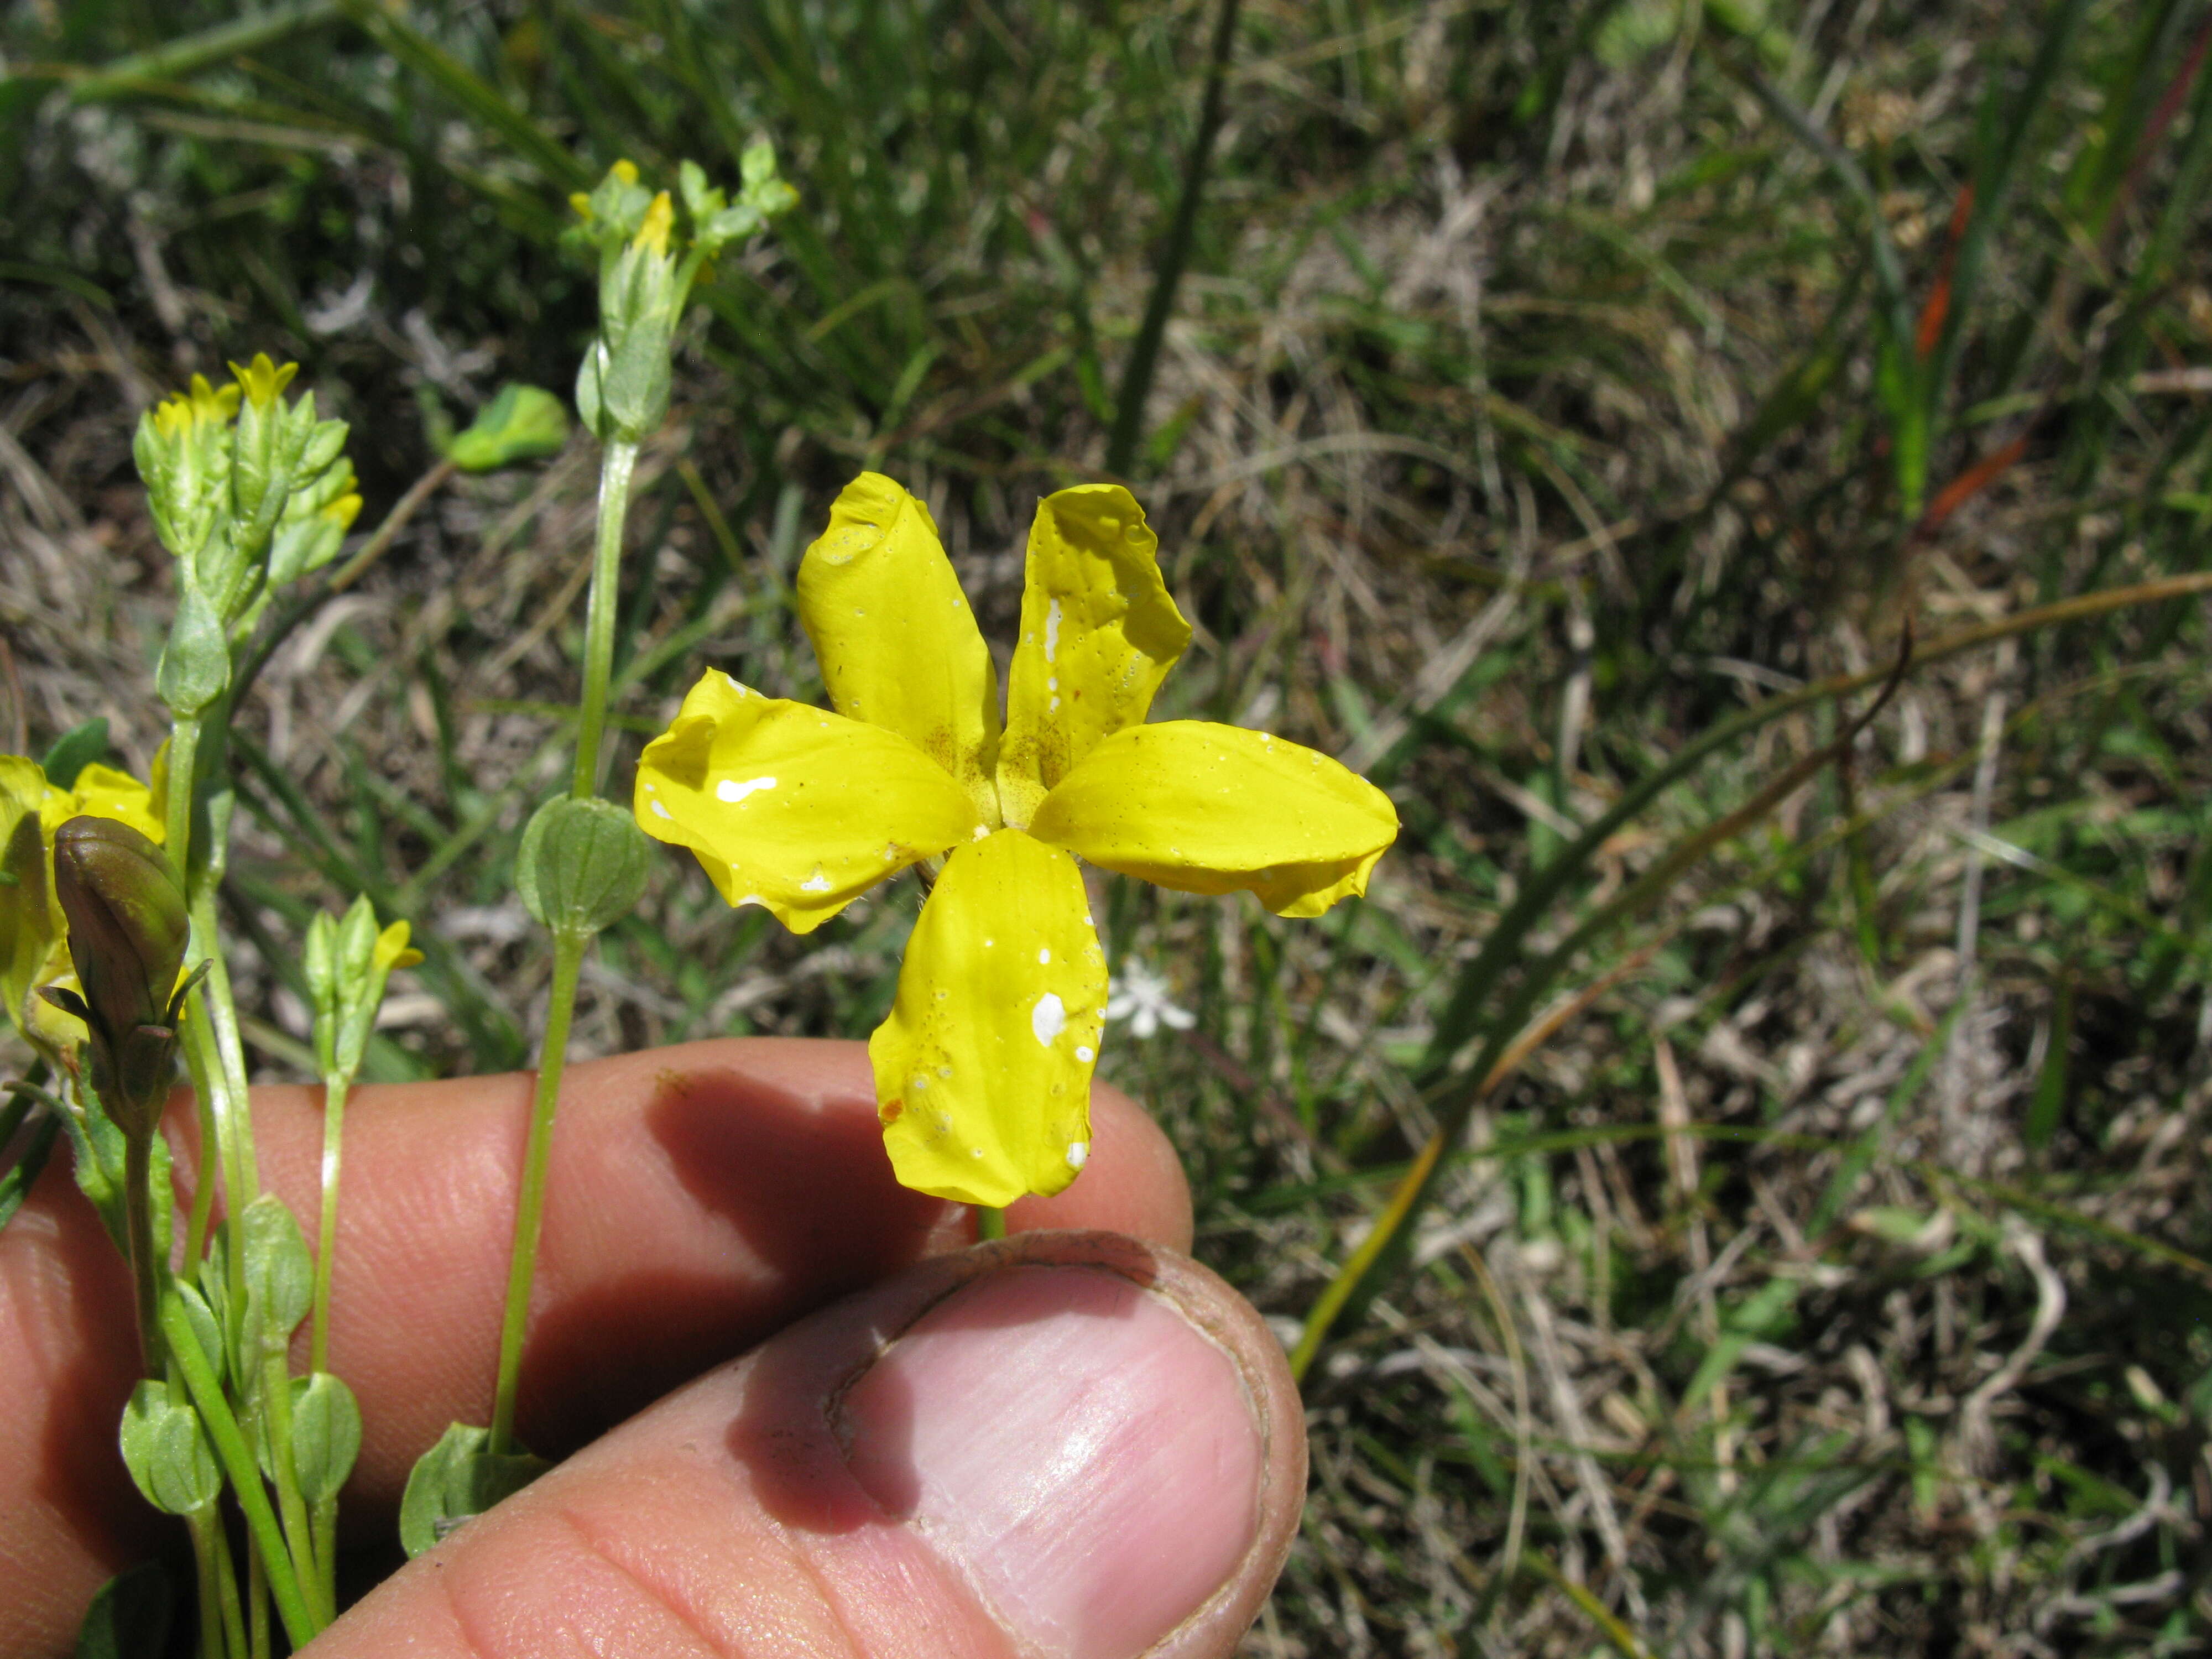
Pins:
x: 127, y: 932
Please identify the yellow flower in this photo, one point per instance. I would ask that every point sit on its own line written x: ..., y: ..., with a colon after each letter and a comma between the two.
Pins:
x: 659, y: 220
x: 983, y: 1067
x: 261, y: 381
x: 33, y: 932
x: 179, y: 413
x: 392, y: 949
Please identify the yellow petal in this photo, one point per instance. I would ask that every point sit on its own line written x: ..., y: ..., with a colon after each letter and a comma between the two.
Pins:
x: 898, y: 643
x: 101, y: 791
x: 983, y: 1069
x: 26, y: 925
x: 1211, y: 809
x: 392, y: 949
x: 792, y: 806
x: 1098, y: 635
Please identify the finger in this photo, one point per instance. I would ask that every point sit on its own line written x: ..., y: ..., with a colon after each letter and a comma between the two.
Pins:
x: 700, y: 1197
x: 1069, y: 1445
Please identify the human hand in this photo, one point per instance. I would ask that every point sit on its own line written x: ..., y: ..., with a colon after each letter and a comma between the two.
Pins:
x: 1069, y: 1443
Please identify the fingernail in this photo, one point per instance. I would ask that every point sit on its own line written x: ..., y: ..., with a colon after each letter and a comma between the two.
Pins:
x: 1083, y: 1453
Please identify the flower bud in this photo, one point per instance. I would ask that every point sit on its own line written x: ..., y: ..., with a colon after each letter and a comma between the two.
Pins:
x: 127, y: 932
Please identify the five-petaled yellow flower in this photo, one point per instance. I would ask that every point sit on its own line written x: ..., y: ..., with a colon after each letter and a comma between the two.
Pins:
x: 983, y: 1068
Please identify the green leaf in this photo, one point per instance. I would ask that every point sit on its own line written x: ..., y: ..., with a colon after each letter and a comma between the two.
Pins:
x: 456, y: 1479
x: 326, y: 1435
x: 280, y: 1274
x: 522, y: 423
x: 167, y: 1452
x: 195, y: 663
x: 129, y: 1618
x: 74, y: 750
x: 582, y: 865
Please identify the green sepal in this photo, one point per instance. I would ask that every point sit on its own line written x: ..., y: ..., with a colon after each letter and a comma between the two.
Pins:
x: 582, y: 865
x: 522, y: 423
x: 166, y: 1450
x: 128, y: 1616
x: 457, y: 1479
x: 326, y: 1435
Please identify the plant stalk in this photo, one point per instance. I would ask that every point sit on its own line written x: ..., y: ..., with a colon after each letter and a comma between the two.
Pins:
x: 238, y: 1461
x: 615, y: 469
x: 569, y: 950
x: 146, y: 1258
x: 326, y: 1243
x: 177, y: 809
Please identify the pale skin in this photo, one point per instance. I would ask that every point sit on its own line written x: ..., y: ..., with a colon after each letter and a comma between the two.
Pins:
x: 802, y: 1416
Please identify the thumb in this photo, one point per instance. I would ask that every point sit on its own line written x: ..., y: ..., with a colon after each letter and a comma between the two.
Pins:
x: 1067, y: 1445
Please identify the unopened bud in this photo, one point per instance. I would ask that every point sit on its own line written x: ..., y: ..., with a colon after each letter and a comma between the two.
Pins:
x: 127, y: 932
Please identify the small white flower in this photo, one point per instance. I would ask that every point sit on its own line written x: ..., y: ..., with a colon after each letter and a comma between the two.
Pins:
x: 1139, y: 995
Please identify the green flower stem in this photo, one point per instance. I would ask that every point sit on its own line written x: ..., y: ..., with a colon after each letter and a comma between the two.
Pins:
x: 291, y: 1507
x: 324, y: 1520
x: 184, y: 760
x: 300, y: 1624
x: 224, y: 1111
x: 326, y: 1244
x: 257, y: 1645
x: 616, y: 467
x: 203, y: 1183
x: 569, y: 950
x: 147, y: 1262
x: 990, y: 1223
x: 204, y: 1525
x: 233, y: 1606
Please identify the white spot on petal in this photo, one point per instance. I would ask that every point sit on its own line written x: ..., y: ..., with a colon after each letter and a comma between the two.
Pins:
x: 729, y: 789
x: 1051, y: 630
x: 660, y: 810
x: 1085, y: 1054
x: 1044, y: 956
x: 817, y: 882
x: 1078, y: 1150
x: 1049, y: 1019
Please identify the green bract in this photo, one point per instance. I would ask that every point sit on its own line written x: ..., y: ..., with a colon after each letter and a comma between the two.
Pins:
x: 582, y: 866
x: 166, y: 1452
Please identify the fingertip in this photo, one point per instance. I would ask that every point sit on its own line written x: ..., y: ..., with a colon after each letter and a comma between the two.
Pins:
x: 1071, y: 1445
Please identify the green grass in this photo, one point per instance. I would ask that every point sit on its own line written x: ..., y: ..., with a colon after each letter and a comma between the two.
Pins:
x: 1551, y: 391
